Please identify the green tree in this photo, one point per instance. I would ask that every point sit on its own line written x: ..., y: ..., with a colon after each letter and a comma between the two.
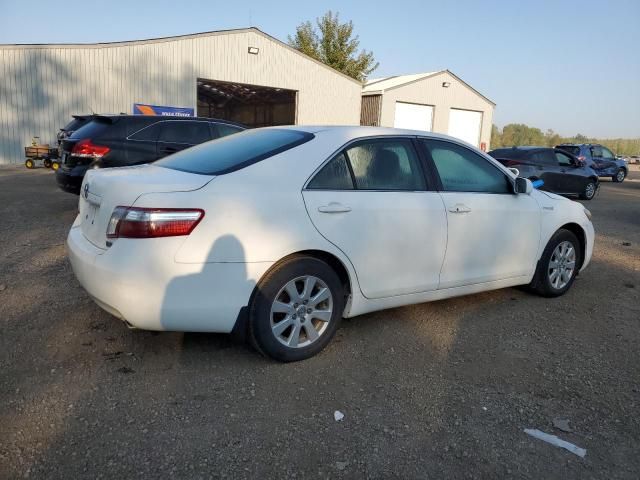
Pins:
x: 496, y: 137
x: 334, y: 44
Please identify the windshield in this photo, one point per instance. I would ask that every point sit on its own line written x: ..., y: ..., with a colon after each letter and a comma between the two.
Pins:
x: 234, y: 152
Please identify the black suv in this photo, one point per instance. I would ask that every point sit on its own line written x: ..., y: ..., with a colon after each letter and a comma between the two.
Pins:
x: 560, y: 171
x: 123, y: 140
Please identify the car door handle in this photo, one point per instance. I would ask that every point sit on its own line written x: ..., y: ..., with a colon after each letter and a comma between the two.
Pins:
x: 459, y: 208
x: 334, y: 207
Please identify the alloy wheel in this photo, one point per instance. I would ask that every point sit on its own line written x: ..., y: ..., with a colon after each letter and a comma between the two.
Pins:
x: 590, y: 190
x: 562, y: 265
x: 620, y: 175
x: 301, y: 311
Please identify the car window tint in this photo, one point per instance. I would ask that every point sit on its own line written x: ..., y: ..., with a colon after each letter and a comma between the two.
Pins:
x: 462, y: 170
x: 149, y: 134
x: 563, y: 159
x: 333, y: 176
x: 233, y: 152
x: 596, y: 152
x: 606, y: 153
x: 191, y: 133
x: 572, y: 149
x: 543, y: 157
x: 224, y: 129
x: 386, y: 165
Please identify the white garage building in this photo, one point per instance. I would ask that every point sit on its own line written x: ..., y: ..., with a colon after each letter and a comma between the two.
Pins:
x: 243, y: 75
x: 434, y: 102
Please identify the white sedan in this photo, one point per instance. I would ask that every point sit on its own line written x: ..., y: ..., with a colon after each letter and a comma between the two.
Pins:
x: 281, y: 232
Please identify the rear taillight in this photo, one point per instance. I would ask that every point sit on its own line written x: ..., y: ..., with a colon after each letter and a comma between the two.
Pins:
x: 87, y: 149
x: 133, y: 222
x: 582, y: 158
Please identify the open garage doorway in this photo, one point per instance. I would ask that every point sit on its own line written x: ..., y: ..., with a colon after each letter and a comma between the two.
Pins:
x: 251, y: 105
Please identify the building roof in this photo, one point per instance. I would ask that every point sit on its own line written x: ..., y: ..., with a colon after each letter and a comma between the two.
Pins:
x: 378, y: 86
x: 386, y: 83
x: 172, y: 39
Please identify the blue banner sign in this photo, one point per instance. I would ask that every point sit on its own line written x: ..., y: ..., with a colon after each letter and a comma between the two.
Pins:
x: 142, y: 109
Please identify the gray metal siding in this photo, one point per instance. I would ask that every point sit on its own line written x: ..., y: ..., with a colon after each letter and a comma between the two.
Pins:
x: 43, y: 85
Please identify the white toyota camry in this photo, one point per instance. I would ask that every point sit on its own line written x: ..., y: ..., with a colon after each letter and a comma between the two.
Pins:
x: 280, y: 232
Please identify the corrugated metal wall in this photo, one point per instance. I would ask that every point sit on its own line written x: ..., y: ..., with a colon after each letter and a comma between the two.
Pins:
x: 370, y: 111
x: 430, y: 91
x: 41, y: 86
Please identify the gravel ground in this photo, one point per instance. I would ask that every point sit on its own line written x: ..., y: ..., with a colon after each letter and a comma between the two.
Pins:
x: 439, y: 390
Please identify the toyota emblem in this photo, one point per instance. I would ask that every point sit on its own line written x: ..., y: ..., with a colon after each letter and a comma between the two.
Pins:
x: 86, y: 191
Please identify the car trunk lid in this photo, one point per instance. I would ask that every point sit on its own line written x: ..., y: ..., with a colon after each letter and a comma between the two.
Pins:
x: 103, y: 190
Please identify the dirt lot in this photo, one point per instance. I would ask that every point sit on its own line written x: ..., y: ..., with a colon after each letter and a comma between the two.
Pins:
x: 440, y: 390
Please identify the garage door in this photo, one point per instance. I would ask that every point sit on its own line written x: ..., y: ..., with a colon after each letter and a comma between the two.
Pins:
x: 413, y: 116
x: 465, y: 125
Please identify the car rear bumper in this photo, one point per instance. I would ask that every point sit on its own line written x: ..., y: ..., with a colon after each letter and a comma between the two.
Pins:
x: 70, y: 180
x: 139, y: 282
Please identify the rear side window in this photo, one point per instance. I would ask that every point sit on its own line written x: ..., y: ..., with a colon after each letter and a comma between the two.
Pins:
x: 386, y: 165
x: 191, y: 133
x: 223, y: 129
x: 333, y: 176
x: 148, y: 134
x: 462, y: 170
x: 234, y: 152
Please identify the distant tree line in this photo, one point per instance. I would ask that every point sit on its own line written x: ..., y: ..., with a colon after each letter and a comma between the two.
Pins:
x: 516, y: 134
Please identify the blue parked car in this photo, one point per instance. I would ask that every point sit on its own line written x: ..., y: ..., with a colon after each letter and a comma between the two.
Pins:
x: 598, y: 157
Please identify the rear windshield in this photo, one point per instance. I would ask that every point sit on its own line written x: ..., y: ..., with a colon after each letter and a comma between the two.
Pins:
x: 573, y: 150
x: 234, y: 152
x: 74, y: 124
x: 100, y: 128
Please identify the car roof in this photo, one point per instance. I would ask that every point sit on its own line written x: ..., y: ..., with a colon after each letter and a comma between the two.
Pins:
x: 167, y: 117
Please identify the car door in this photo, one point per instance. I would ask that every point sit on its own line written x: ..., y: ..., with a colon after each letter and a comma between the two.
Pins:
x: 493, y: 234
x: 573, y: 177
x: 141, y: 145
x: 372, y: 200
x: 546, y: 169
x: 601, y: 161
x: 176, y: 135
x: 608, y: 161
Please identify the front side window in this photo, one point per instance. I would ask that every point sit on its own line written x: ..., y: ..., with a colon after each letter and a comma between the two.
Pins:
x: 183, y: 131
x: 333, y: 176
x: 606, y: 153
x: 386, y: 165
x: 563, y: 159
x: 462, y: 170
x: 596, y: 152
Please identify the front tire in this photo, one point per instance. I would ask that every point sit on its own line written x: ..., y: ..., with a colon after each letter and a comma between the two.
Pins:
x: 558, y: 266
x: 589, y: 191
x: 619, y: 176
x: 296, y: 309
x: 29, y: 163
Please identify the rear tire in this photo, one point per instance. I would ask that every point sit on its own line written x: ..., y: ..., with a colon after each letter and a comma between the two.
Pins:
x: 619, y: 176
x: 55, y: 166
x: 589, y: 191
x: 47, y: 163
x: 558, y: 266
x: 296, y: 309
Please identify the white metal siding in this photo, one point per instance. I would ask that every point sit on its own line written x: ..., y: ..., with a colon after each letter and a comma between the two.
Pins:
x: 41, y: 86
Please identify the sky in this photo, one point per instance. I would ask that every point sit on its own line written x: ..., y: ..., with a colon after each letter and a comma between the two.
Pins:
x: 571, y: 66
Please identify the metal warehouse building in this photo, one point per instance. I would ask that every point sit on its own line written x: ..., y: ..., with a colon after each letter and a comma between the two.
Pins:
x: 434, y: 101
x: 242, y: 75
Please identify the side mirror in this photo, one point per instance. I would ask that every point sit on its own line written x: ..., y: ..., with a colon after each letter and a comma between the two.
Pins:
x: 515, y: 171
x: 523, y: 185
